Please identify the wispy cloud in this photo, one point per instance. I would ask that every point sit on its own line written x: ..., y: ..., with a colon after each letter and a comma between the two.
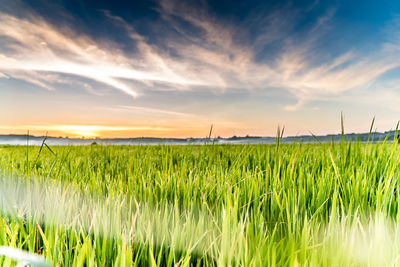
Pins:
x: 384, y: 95
x: 214, y: 58
x: 2, y: 75
x: 37, y: 47
x: 147, y: 110
x: 297, y: 68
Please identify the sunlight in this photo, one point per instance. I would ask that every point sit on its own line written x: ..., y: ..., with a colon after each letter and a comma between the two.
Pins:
x: 89, y: 131
x: 80, y: 130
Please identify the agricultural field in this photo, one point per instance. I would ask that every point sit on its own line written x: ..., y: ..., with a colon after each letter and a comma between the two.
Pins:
x: 331, y: 204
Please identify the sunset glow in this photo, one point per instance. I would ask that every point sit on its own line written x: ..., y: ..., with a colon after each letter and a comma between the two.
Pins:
x: 84, y: 131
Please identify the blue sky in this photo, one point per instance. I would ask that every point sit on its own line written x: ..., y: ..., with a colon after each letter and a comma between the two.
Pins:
x: 173, y: 68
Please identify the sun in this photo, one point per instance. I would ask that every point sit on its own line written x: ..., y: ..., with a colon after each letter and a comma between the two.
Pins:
x: 80, y: 130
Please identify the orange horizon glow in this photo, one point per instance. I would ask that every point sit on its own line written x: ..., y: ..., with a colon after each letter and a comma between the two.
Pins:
x: 107, y: 131
x: 86, y: 131
x: 136, y: 131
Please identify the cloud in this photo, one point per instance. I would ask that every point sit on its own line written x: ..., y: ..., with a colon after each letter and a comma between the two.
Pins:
x: 385, y: 95
x: 297, y: 68
x: 311, y: 83
x: 147, y: 110
x: 212, y: 55
x: 39, y: 47
x: 45, y: 80
x: 2, y: 75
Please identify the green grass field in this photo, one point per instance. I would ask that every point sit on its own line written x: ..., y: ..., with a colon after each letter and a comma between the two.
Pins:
x: 212, y: 205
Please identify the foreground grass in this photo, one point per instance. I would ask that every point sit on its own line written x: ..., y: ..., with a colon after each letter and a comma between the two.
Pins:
x: 244, y: 205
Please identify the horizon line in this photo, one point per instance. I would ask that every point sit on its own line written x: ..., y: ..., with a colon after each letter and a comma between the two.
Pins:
x: 194, y: 138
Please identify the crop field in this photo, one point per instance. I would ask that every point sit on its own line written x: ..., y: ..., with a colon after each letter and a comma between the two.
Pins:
x: 331, y: 204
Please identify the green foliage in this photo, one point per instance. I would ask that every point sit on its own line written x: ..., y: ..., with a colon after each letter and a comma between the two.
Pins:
x: 214, y: 205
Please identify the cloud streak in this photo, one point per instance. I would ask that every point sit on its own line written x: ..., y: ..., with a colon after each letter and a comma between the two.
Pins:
x: 37, y: 47
x: 147, y: 110
x: 213, y: 58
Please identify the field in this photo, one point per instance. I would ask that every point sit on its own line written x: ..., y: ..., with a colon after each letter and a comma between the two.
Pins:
x: 332, y: 204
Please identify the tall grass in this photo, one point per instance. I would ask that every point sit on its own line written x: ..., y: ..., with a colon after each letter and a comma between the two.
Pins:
x: 331, y: 204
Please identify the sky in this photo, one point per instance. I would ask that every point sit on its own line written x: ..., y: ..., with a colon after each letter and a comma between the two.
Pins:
x: 172, y: 68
